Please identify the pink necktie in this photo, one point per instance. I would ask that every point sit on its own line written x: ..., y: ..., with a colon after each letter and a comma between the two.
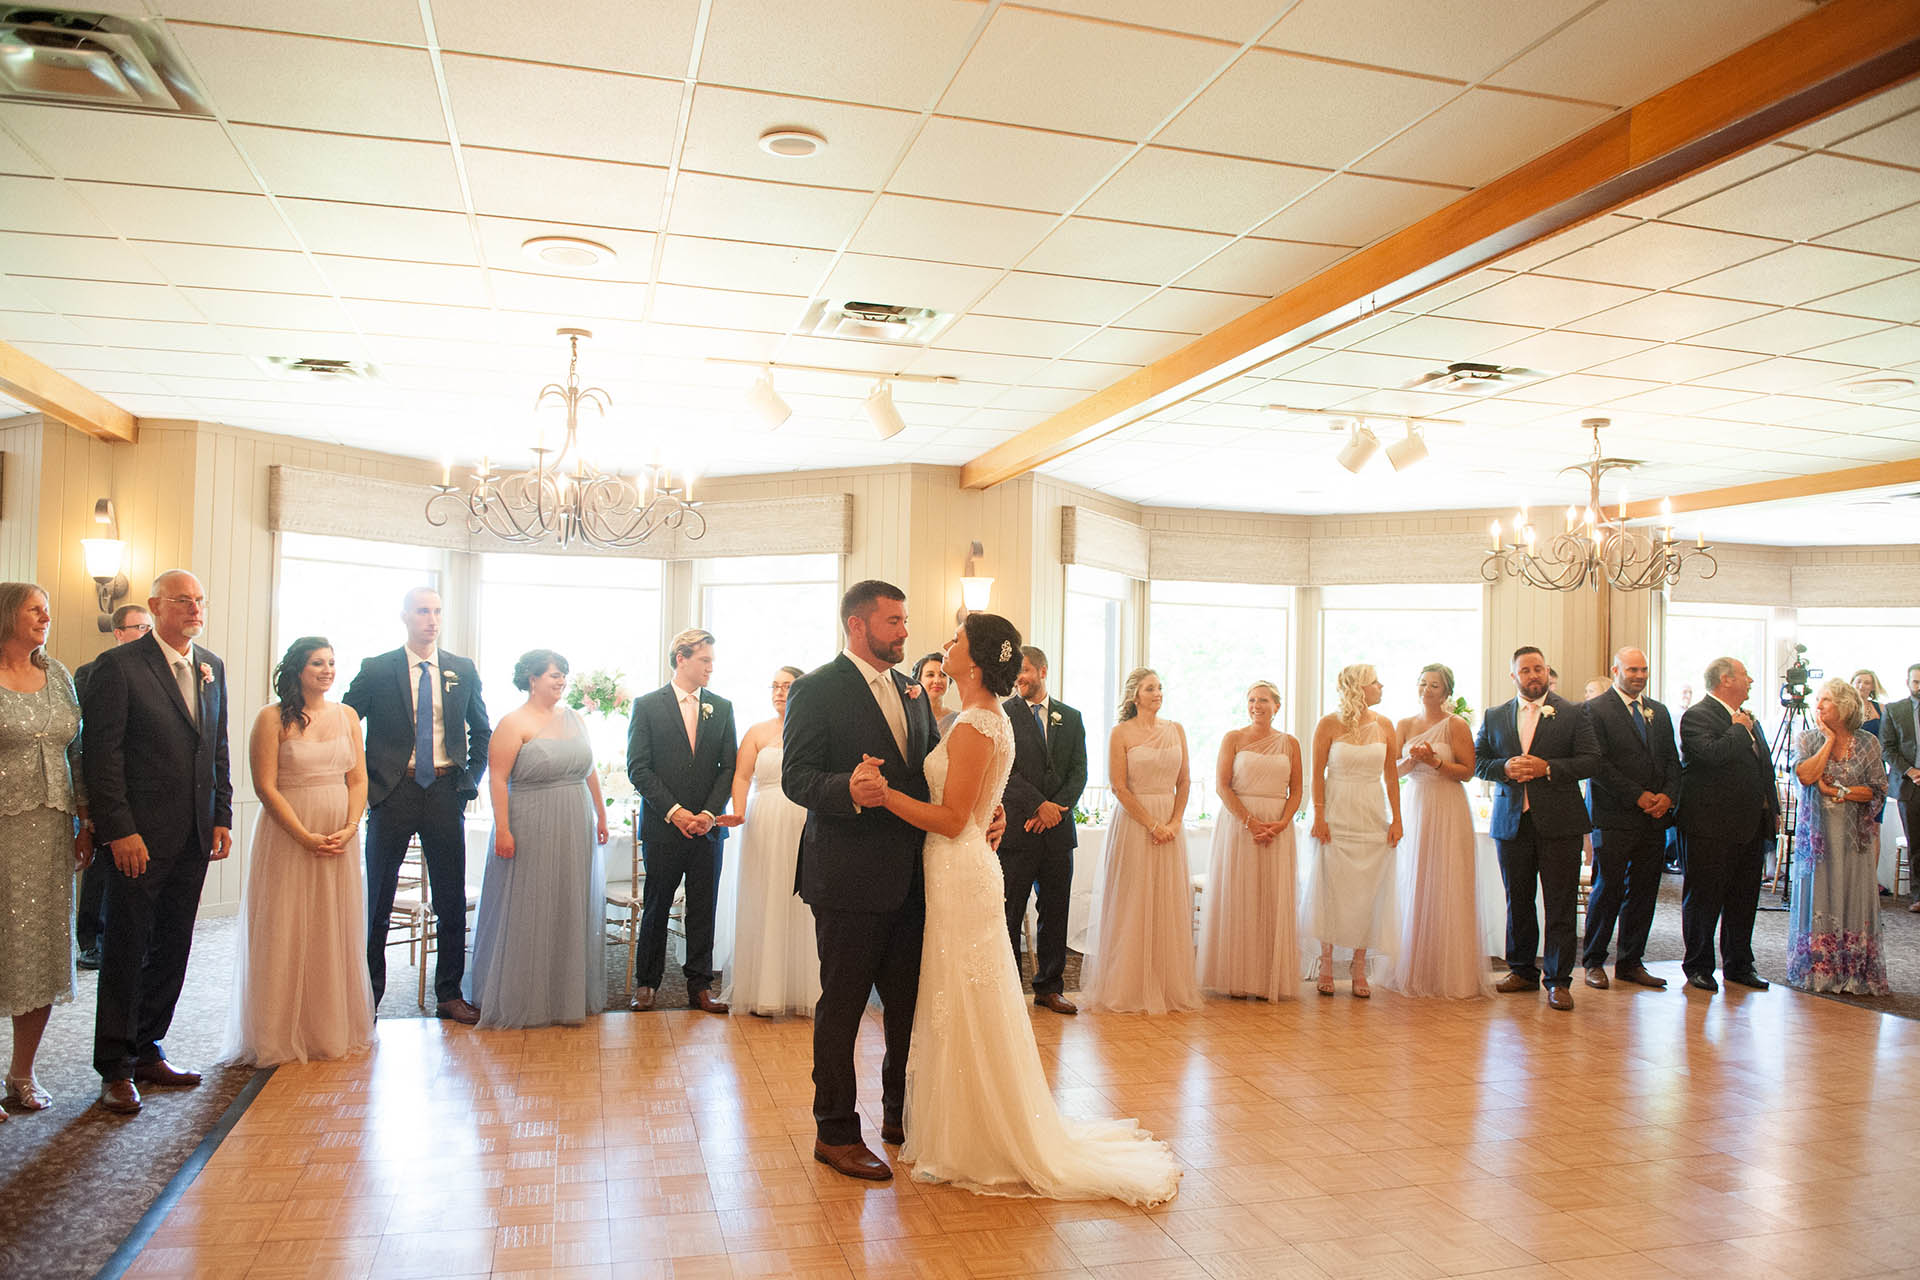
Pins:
x: 1529, y: 721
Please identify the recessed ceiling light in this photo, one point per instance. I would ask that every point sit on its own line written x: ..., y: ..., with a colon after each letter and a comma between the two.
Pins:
x: 568, y: 253
x: 1878, y: 388
x: 792, y: 144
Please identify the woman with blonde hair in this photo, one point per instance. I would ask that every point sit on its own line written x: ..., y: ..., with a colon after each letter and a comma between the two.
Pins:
x: 1248, y: 941
x: 1833, y: 913
x: 1140, y: 947
x: 1349, y: 899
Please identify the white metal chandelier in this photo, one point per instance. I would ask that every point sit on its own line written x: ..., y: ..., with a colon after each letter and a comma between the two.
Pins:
x: 1593, y: 548
x: 550, y: 502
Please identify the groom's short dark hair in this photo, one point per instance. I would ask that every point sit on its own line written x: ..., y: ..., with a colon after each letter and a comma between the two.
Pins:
x: 1524, y: 650
x: 863, y: 595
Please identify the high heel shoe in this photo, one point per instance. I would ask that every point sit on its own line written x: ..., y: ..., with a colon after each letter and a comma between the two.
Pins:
x: 27, y: 1094
x: 1325, y: 983
x: 1361, y: 991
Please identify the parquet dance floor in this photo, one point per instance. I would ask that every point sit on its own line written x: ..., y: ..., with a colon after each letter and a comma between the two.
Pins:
x: 1646, y: 1134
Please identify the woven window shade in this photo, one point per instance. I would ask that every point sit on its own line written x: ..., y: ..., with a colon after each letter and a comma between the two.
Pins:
x: 1102, y: 542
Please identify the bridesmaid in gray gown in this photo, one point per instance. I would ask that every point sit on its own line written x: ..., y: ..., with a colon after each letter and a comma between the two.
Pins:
x: 538, y: 946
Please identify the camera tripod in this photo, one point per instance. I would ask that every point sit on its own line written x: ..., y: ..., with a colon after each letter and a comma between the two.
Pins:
x: 1793, y: 722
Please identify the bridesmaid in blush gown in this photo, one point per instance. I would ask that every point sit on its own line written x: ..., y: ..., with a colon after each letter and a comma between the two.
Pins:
x: 1140, y: 948
x: 1350, y: 890
x: 539, y: 945
x: 1247, y: 936
x: 300, y: 979
x: 776, y: 965
x: 1440, y: 951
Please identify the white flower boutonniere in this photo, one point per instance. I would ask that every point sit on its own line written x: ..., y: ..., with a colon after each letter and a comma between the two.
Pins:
x: 206, y: 673
x: 913, y: 691
x: 1546, y: 711
x: 1053, y: 718
x: 1646, y: 713
x: 449, y: 680
x: 706, y: 710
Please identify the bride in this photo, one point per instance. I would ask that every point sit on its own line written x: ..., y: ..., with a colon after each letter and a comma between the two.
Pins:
x: 979, y: 1113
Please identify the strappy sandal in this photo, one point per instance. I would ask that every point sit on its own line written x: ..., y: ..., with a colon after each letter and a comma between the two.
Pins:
x: 1361, y: 991
x: 27, y: 1094
x: 1325, y: 984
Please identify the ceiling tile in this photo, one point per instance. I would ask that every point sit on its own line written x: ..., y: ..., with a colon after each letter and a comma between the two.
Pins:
x: 24, y: 327
x: 44, y: 205
x: 501, y: 241
x: 306, y: 83
x: 1268, y: 267
x: 863, y: 143
x: 1333, y: 114
x: 1560, y: 350
x: 529, y: 106
x: 370, y: 231
x: 1130, y: 346
x: 1235, y: 20
x: 1606, y: 55
x: 280, y: 310
x: 1206, y: 193
x: 1066, y: 298
x: 939, y: 285
x: 1658, y: 255
x: 1859, y: 117
x: 1812, y: 197
x: 848, y: 50
x: 1002, y: 165
x: 566, y: 295
x: 1121, y: 251
x: 224, y: 267
x: 1896, y: 142
x: 128, y: 146
x: 1461, y: 41
x: 1579, y: 389
x: 1079, y: 76
x: 1002, y: 336
x: 726, y: 309
x: 767, y: 212
x: 1480, y: 135
x: 1785, y: 332
x: 1362, y: 369
x: 1190, y: 310
x: 100, y: 298
x: 1775, y: 376
x: 405, y: 281
x: 1895, y: 299
x: 564, y: 189
x: 78, y: 257
x: 1680, y: 400
x: 733, y: 264
x: 1796, y: 274
x: 906, y: 227
x: 1887, y: 349
x: 1676, y: 362
x: 14, y: 159
x: 1711, y: 180
x: 413, y: 320
x: 154, y: 334
x: 1536, y: 256
x: 1088, y: 375
x: 1538, y: 300
x: 1442, y: 340
x: 1891, y: 233
x: 196, y: 217
x: 327, y: 166
x: 1669, y: 317
x: 653, y: 39
x: 348, y: 19
x: 1353, y: 209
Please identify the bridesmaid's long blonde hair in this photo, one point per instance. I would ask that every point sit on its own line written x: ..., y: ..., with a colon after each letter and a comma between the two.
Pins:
x: 1352, y: 685
x: 1130, y: 693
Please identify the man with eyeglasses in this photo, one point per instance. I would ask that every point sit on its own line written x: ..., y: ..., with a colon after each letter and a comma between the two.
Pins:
x: 130, y: 622
x: 154, y: 743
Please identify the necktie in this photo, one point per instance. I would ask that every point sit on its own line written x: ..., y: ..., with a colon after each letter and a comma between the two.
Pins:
x: 423, y: 728
x: 1040, y: 718
x: 1529, y: 721
x: 896, y: 715
x: 183, y: 676
x: 690, y: 715
x: 1639, y: 720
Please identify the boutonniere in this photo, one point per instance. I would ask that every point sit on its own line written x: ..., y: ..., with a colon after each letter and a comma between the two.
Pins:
x: 1646, y: 713
x: 1546, y: 711
x: 449, y: 680
x: 913, y: 691
x: 706, y: 710
x: 206, y: 673
x: 1054, y: 718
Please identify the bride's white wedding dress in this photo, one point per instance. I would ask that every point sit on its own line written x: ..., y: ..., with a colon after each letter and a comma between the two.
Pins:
x: 979, y: 1112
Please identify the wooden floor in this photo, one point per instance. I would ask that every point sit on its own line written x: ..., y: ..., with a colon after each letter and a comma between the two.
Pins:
x: 1643, y: 1135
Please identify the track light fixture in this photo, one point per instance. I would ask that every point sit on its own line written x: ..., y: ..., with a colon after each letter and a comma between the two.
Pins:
x: 765, y: 403
x: 1408, y: 450
x: 886, y: 419
x: 1359, y: 449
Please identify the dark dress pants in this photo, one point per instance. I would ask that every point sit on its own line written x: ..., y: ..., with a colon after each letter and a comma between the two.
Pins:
x: 144, y: 947
x: 437, y: 816
x: 1555, y: 862
x: 88, y: 914
x: 1050, y: 872
x: 1626, y: 886
x: 1722, y: 888
x: 861, y: 952
x: 667, y: 862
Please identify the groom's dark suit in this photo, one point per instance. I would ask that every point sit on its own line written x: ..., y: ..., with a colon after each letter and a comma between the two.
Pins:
x: 1537, y: 827
x: 156, y: 771
x: 860, y: 871
x: 1729, y: 809
x: 1048, y: 764
x: 1629, y: 848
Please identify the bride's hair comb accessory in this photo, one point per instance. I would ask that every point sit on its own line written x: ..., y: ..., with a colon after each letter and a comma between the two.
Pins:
x: 1006, y: 650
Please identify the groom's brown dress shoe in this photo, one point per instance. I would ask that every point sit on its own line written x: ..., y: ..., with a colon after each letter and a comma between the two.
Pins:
x: 1638, y: 975
x: 164, y: 1073
x: 119, y: 1097
x: 458, y: 1011
x: 893, y: 1133
x: 1560, y: 998
x: 1514, y: 982
x: 853, y: 1161
x: 1058, y: 1003
x: 642, y: 999
x: 705, y: 1003
x: 1597, y: 978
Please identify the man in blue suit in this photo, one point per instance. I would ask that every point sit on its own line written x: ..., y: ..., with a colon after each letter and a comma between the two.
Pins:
x: 1535, y: 749
x: 1633, y: 794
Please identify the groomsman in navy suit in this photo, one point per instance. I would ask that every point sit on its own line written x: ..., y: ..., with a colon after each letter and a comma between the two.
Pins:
x: 1535, y: 749
x: 1633, y: 794
x: 427, y: 737
x: 1049, y: 773
x: 1729, y: 810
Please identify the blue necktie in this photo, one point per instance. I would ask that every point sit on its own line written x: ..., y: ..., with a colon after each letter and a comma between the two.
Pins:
x: 1040, y: 718
x: 1639, y: 720
x: 423, y: 728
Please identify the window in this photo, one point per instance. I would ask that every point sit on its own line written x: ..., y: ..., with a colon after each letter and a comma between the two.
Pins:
x: 1209, y: 641
x: 319, y: 575
x: 599, y: 612
x: 1400, y: 629
x: 768, y: 612
x: 1884, y: 641
x: 1696, y: 634
x: 1090, y: 665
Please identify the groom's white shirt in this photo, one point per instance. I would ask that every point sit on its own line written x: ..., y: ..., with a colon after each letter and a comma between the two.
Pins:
x: 880, y: 684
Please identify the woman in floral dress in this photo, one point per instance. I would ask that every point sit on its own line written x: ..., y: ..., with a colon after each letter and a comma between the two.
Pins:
x: 1833, y: 920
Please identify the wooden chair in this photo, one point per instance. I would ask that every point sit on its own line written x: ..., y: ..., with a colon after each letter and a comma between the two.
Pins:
x: 413, y: 913
x: 623, y: 907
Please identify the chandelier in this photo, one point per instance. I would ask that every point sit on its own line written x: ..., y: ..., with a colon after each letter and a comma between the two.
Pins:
x: 562, y: 497
x: 1592, y: 548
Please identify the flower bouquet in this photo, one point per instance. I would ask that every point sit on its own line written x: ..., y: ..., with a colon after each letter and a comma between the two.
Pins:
x: 602, y: 691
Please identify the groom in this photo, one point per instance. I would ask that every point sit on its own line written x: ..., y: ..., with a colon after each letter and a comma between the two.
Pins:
x: 859, y: 864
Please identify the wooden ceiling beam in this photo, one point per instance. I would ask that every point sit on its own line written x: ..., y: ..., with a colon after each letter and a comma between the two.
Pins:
x: 1839, y: 54
x: 60, y: 397
x: 1872, y: 476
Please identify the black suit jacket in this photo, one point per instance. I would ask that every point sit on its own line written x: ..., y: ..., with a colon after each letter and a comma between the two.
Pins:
x: 383, y: 697
x: 1629, y: 766
x: 1053, y: 768
x: 1565, y: 741
x: 1727, y: 776
x: 1898, y: 741
x: 82, y: 674
x: 667, y: 772
x: 151, y: 769
x: 853, y: 861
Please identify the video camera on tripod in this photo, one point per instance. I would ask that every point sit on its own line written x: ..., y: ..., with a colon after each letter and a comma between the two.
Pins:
x: 1796, y: 685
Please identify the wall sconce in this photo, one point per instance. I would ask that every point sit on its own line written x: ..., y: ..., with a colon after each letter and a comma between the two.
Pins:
x: 976, y: 586
x: 105, y: 558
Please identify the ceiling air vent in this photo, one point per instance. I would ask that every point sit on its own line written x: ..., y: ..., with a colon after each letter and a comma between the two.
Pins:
x: 872, y: 321
x: 1463, y: 377
x: 81, y: 58
x: 320, y: 369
